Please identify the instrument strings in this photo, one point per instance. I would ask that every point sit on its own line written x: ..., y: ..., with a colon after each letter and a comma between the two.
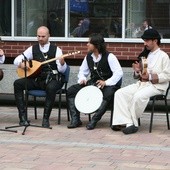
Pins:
x: 144, y: 65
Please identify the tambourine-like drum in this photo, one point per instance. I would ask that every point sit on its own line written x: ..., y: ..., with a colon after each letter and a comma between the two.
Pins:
x: 88, y: 99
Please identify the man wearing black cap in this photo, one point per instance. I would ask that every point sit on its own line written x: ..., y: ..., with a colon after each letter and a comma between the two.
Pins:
x: 131, y: 101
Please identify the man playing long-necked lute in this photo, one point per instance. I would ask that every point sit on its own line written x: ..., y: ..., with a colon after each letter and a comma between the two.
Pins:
x: 46, y: 79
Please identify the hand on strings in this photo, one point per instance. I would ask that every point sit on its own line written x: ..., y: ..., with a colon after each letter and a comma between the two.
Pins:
x: 22, y: 65
x: 100, y: 84
x: 145, y: 76
x: 136, y: 67
x: 61, y: 60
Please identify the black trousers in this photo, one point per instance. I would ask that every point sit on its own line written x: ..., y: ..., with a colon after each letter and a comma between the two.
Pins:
x: 50, y: 88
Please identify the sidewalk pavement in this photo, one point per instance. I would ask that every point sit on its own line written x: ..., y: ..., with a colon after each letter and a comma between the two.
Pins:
x: 60, y: 148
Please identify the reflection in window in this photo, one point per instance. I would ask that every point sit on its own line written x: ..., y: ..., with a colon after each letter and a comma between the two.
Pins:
x: 32, y: 14
x: 5, y: 17
x: 95, y: 16
x: 142, y: 12
x: 56, y: 17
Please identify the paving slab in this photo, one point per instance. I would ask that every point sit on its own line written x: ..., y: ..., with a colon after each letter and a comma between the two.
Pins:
x: 61, y: 148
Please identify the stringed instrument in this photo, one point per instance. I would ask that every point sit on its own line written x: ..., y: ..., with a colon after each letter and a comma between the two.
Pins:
x: 36, y: 65
x: 144, y: 65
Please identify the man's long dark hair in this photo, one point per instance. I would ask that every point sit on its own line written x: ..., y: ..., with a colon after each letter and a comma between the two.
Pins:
x: 98, y: 41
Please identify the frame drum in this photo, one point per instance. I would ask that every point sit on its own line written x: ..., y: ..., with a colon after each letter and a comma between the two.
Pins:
x: 88, y: 99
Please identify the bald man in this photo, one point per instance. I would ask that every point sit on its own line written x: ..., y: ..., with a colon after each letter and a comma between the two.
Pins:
x: 46, y: 79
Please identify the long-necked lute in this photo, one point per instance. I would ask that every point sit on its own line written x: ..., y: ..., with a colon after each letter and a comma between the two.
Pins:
x: 36, y: 65
x: 144, y: 65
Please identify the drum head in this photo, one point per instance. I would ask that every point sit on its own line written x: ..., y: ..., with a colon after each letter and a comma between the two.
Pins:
x: 88, y: 99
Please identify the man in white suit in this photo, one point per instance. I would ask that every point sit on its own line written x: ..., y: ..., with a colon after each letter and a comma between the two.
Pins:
x: 131, y: 101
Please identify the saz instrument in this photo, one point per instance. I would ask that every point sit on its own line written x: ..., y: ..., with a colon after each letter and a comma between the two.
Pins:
x: 144, y: 65
x: 36, y: 66
x: 88, y: 99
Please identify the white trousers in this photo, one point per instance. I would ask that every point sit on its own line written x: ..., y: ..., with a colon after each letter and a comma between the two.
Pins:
x: 131, y: 101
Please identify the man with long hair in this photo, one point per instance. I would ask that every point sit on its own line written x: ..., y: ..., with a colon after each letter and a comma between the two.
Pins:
x: 105, y: 72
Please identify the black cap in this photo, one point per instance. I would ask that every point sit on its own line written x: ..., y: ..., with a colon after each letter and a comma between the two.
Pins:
x: 151, y: 34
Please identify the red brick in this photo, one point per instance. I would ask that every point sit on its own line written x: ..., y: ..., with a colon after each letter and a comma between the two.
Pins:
x: 124, y: 51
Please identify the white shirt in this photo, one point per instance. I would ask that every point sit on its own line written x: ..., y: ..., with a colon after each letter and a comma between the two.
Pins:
x: 152, y: 58
x: 2, y: 59
x: 115, y: 67
x: 44, y: 49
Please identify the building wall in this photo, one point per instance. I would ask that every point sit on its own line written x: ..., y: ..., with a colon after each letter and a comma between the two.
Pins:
x: 123, y: 51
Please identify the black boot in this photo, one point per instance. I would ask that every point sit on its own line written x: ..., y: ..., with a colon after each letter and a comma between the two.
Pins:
x: 75, y: 115
x: 21, y: 109
x: 49, y: 102
x: 45, y: 122
x: 98, y: 115
x: 47, y: 112
x: 23, y: 120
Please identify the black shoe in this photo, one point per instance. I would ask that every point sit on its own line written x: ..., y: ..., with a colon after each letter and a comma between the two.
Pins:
x: 130, y: 130
x: 24, y: 123
x: 45, y: 123
x: 117, y: 127
x: 74, y: 125
x: 90, y: 126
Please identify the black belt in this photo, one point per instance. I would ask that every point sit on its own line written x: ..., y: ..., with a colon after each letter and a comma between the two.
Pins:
x: 47, y: 77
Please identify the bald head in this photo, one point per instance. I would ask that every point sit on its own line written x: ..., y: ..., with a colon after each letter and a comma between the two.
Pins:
x: 43, y: 35
x: 43, y: 29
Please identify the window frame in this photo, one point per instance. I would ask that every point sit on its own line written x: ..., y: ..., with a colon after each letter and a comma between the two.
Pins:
x: 71, y: 39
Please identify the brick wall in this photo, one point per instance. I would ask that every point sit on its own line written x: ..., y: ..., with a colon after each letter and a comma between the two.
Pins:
x: 124, y: 51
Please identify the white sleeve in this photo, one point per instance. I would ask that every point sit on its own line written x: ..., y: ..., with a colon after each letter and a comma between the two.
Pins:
x: 61, y: 68
x: 116, y: 69
x: 27, y: 53
x: 2, y: 59
x: 83, y: 71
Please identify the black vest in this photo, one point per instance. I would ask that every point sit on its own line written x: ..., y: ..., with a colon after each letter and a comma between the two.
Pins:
x: 100, y: 70
x: 39, y: 56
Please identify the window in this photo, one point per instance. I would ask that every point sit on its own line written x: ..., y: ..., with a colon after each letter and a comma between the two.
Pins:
x: 99, y: 16
x: 117, y: 20
x: 31, y: 14
x: 140, y: 12
x: 5, y: 17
